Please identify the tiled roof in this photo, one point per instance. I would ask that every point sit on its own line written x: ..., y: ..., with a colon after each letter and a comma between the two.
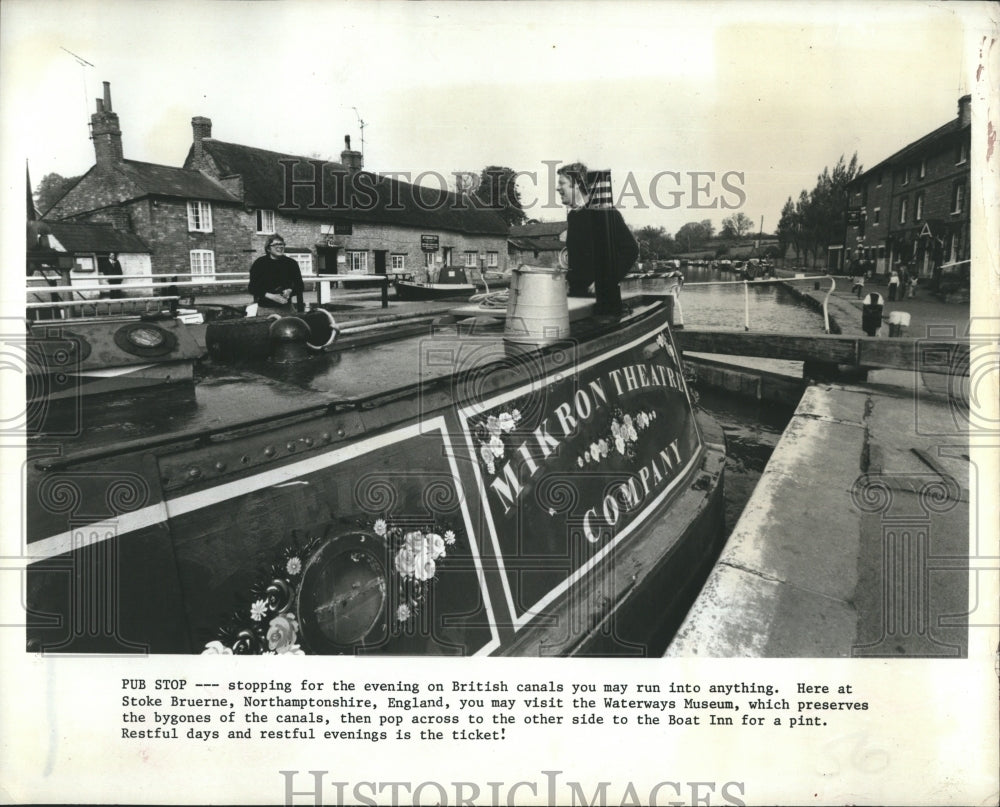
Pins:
x: 918, y: 146
x: 164, y: 180
x: 95, y: 238
x: 538, y: 228
x: 365, y: 198
x: 540, y: 236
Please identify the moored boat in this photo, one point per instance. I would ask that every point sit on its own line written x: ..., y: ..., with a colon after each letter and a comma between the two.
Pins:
x: 424, y: 491
x: 451, y: 284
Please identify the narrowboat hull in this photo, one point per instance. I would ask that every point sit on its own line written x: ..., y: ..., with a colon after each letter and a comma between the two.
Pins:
x: 471, y: 499
x: 413, y: 290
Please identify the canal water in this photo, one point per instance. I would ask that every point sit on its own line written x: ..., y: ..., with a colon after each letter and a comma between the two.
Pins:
x: 752, y: 430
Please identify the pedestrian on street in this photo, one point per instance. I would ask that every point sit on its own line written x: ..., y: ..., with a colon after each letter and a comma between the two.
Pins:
x: 114, y: 274
x: 857, y: 277
x: 893, y: 283
x: 275, y: 279
x: 600, y: 247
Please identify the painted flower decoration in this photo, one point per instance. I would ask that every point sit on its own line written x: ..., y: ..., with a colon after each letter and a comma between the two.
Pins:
x: 294, y: 566
x: 216, y: 649
x: 623, y: 432
x: 490, y: 435
x: 258, y: 610
x: 487, y: 457
x: 282, y: 632
x: 449, y: 537
x: 380, y: 527
x: 403, y: 613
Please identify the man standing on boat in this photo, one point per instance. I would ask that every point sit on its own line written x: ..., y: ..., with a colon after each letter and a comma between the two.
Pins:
x: 275, y: 278
x: 599, y: 245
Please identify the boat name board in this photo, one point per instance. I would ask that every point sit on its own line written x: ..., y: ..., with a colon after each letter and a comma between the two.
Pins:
x: 569, y: 466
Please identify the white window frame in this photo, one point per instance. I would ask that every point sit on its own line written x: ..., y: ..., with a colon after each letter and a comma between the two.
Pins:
x: 906, y: 175
x: 492, y: 260
x: 959, y: 199
x: 305, y: 261
x: 902, y: 210
x: 397, y: 262
x: 923, y: 169
x: 876, y: 214
x: 357, y: 261
x: 918, y: 208
x: 202, y: 263
x: 471, y: 259
x: 263, y: 226
x: 963, y: 154
x: 199, y: 217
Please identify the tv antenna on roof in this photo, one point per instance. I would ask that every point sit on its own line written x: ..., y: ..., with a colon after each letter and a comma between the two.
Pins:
x: 362, y: 123
x: 84, y: 64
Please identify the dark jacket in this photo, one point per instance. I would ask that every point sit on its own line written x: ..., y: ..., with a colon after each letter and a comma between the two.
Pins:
x: 274, y: 275
x: 601, y: 251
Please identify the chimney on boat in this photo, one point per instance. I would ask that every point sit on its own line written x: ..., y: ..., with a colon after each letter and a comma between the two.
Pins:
x: 105, y: 131
x: 353, y: 161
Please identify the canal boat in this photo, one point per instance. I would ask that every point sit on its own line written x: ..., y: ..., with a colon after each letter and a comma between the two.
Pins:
x: 452, y: 284
x: 426, y: 487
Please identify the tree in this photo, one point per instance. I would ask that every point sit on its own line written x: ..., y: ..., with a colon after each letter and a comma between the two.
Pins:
x: 820, y: 216
x: 736, y: 225
x: 655, y: 243
x: 788, y: 228
x: 694, y: 235
x: 50, y: 189
x: 497, y: 190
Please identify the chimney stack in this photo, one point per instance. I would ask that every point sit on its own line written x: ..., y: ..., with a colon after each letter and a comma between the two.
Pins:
x: 202, y: 130
x: 351, y: 160
x: 105, y: 131
x: 965, y: 110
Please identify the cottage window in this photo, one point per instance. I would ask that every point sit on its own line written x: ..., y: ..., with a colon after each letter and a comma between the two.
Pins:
x: 304, y: 260
x: 963, y: 153
x: 906, y: 175
x: 470, y: 259
x: 493, y: 259
x: 265, y: 222
x: 357, y: 261
x: 902, y: 211
x: 199, y: 217
x: 923, y: 169
x: 203, y: 263
x: 878, y: 180
x: 918, y: 212
x: 876, y: 215
x: 958, y: 198
x: 397, y: 262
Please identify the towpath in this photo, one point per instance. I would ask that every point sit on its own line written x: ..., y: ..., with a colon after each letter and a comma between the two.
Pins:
x: 857, y: 540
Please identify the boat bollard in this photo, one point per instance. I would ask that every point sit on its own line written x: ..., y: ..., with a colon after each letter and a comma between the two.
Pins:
x: 899, y: 321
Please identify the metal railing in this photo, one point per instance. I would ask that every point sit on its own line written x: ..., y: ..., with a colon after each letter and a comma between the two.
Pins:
x: 171, y: 283
x: 745, y: 283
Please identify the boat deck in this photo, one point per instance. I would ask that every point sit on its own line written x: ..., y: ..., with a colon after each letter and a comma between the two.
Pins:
x: 394, y: 358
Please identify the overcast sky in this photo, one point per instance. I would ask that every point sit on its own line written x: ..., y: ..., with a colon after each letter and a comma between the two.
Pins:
x: 774, y: 91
